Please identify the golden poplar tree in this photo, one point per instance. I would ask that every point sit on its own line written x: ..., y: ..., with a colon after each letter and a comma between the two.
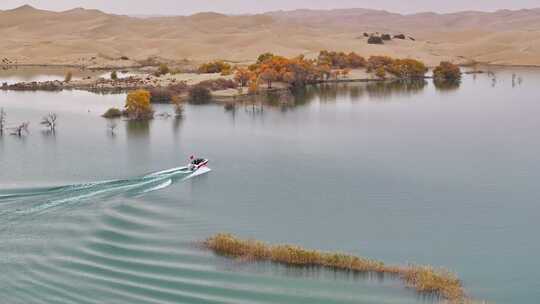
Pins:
x: 138, y: 105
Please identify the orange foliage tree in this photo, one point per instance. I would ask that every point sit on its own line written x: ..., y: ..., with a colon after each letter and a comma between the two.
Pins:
x: 447, y: 71
x: 325, y: 71
x: 340, y: 60
x: 408, y: 68
x: 295, y: 71
x: 345, y: 72
x: 215, y: 67
x: 138, y: 105
x: 380, y: 72
x: 264, y: 57
x: 253, y: 86
x: 300, y: 71
x: 242, y: 76
x: 268, y: 74
x: 375, y: 62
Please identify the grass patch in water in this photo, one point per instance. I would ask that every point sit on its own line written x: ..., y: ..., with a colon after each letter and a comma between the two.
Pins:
x: 423, y: 279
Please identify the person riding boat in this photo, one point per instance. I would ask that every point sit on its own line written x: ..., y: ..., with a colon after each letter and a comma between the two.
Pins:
x: 195, y: 163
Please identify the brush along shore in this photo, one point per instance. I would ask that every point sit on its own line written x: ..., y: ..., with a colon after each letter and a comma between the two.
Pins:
x: 148, y: 81
x: 226, y: 83
x: 269, y: 70
x: 423, y: 279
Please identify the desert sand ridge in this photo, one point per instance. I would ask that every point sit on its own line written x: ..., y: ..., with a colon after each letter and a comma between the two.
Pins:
x: 92, y: 38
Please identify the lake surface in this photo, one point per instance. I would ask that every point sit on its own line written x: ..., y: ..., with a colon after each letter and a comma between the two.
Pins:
x: 400, y: 173
x: 14, y: 75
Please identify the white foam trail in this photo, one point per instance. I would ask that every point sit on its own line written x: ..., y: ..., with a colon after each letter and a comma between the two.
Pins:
x: 155, y: 181
x: 201, y: 171
x: 58, y: 202
x: 163, y: 185
x: 168, y: 171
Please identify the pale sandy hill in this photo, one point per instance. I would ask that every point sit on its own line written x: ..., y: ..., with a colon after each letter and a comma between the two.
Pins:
x: 94, y: 38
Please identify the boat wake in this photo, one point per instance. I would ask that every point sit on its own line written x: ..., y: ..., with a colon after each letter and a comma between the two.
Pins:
x: 41, y: 199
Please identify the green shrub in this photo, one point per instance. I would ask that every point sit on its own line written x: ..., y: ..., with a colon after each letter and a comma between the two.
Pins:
x: 407, y: 68
x: 447, y: 71
x: 340, y: 60
x: 375, y: 40
x: 264, y: 57
x: 380, y: 72
x: 215, y: 67
x: 161, y: 95
x: 113, y: 113
x: 199, y: 94
x: 163, y: 69
x: 375, y: 62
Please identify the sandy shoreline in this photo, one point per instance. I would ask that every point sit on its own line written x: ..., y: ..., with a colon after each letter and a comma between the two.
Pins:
x: 139, y: 66
x: 143, y: 77
x: 148, y: 81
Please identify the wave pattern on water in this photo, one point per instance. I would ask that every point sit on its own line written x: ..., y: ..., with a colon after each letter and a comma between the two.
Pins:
x: 139, y: 249
x: 50, y: 197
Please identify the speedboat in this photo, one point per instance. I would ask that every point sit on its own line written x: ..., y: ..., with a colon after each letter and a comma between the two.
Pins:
x: 198, y: 163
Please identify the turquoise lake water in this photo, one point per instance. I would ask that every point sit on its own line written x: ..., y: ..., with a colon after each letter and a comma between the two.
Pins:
x: 403, y: 173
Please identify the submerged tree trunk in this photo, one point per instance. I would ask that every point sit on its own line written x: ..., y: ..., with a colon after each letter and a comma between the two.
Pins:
x: 19, y: 130
x: 2, y: 121
x: 50, y: 121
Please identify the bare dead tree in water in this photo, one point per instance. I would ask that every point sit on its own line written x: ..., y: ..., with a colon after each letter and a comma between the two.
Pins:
x: 111, y: 126
x: 2, y: 121
x: 20, y: 129
x: 178, y: 110
x: 178, y: 107
x: 50, y: 122
x: 164, y: 115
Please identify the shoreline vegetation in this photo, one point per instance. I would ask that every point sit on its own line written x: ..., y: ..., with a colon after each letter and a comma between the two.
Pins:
x: 220, y: 81
x: 423, y: 279
x: 231, y: 83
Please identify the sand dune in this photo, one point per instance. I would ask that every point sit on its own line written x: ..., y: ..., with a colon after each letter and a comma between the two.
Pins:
x: 94, y: 38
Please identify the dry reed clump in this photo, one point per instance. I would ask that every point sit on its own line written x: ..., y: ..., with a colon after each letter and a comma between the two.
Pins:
x: 424, y: 279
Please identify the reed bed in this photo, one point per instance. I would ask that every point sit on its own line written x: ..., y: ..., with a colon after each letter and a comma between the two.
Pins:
x: 423, y: 279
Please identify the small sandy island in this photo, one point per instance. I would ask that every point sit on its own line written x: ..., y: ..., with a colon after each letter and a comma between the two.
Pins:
x: 145, y: 80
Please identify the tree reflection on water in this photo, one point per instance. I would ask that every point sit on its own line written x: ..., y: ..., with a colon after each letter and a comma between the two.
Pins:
x: 354, y: 91
x: 329, y: 93
x: 138, y: 128
x: 447, y: 86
